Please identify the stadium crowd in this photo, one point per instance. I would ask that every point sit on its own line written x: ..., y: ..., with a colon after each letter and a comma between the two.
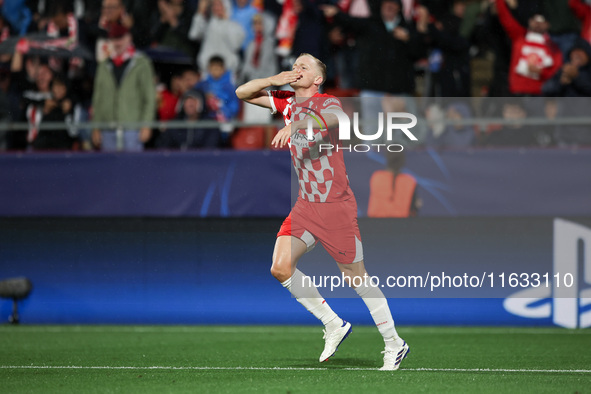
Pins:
x: 142, y: 61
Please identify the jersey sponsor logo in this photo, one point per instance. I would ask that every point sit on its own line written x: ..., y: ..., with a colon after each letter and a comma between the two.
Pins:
x: 331, y: 100
x: 566, y: 303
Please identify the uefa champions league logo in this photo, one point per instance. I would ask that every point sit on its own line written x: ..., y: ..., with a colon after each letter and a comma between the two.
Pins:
x: 566, y: 304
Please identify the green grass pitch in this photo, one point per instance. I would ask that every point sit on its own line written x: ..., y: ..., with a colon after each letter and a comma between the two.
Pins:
x: 261, y: 359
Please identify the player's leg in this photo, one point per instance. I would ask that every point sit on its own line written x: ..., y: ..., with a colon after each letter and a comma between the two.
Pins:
x: 357, y: 277
x: 288, y: 250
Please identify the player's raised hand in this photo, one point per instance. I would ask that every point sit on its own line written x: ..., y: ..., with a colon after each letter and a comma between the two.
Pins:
x: 282, y: 137
x: 284, y: 78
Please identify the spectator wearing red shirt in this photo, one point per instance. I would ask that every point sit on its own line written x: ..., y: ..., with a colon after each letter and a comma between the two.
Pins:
x: 534, y: 57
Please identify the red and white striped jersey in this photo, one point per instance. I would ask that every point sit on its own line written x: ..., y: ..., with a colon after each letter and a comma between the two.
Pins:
x: 322, y: 175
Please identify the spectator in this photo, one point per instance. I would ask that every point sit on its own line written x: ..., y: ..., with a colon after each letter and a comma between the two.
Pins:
x: 388, y: 47
x: 62, y: 24
x: 392, y: 193
x: 385, y: 42
x: 454, y: 135
x: 286, y: 27
x: 583, y: 12
x: 550, y: 130
x: 4, y: 35
x: 168, y: 97
x: 259, y: 57
x: 124, y: 91
x: 310, y: 35
x: 259, y: 62
x: 392, y: 104
x: 4, y: 31
x: 34, y: 100
x: 57, y: 108
x: 343, y: 63
x: 112, y: 12
x: 5, y: 108
x: 217, y: 33
x: 192, y: 110
x: 342, y: 59
x: 173, y: 27
x: 220, y: 99
x: 24, y: 69
x: 189, y: 78
x: 535, y: 58
x: 144, y: 16
x: 242, y: 14
x: 17, y: 14
x: 500, y: 44
x: 451, y: 70
x: 516, y: 133
x: 573, y: 80
x: 564, y: 26
x: 63, y: 27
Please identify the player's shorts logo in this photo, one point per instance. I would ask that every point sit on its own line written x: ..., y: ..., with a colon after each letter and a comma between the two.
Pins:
x: 564, y: 302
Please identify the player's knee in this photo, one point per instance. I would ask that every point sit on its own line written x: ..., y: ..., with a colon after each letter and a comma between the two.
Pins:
x: 281, y: 270
x: 280, y: 274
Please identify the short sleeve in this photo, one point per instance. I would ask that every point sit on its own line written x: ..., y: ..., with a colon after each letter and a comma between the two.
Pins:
x: 279, y: 100
x: 330, y: 102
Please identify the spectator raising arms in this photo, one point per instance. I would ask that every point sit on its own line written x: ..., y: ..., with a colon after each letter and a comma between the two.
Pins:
x: 112, y: 12
x: 583, y: 12
x: 173, y: 27
x: 33, y: 103
x: 243, y: 14
x: 385, y: 42
x: 534, y: 57
x: 218, y: 34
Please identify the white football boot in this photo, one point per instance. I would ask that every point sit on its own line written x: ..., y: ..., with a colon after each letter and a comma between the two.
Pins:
x: 394, y: 356
x: 333, y: 339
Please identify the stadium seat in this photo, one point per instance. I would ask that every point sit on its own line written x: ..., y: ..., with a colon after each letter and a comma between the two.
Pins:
x: 248, y: 138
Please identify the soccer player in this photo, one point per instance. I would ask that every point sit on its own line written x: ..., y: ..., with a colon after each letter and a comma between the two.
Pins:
x: 325, y: 210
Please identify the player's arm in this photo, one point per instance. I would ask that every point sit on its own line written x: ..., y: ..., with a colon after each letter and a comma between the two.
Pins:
x: 253, y: 92
x: 282, y: 136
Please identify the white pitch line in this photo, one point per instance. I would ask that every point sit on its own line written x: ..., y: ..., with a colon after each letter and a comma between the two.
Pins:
x: 290, y: 329
x: 291, y: 369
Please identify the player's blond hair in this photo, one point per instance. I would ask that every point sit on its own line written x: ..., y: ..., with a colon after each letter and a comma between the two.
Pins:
x: 321, y: 66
